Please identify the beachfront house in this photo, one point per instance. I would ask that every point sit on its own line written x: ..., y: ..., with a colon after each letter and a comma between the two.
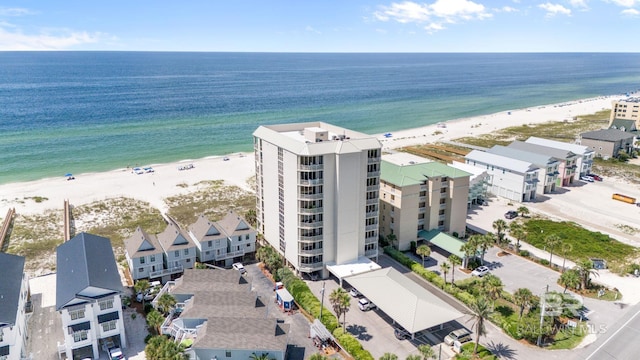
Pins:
x: 628, y: 109
x: 144, y: 255
x: 421, y: 196
x: 547, y: 166
x: 317, y: 194
x: 179, y: 250
x: 223, y: 242
x: 224, y: 319
x: 15, y: 307
x: 568, y: 160
x: 585, y: 154
x: 88, y: 289
x: 608, y: 142
x: 624, y: 125
x: 478, y: 182
x: 510, y: 178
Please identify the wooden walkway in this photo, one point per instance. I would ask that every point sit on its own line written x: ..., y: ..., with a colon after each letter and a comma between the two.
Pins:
x: 66, y: 216
x: 5, y: 226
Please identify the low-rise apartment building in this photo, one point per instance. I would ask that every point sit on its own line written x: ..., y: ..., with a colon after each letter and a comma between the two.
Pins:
x: 548, y: 166
x: 510, y: 178
x: 608, y: 142
x: 568, y: 161
x: 422, y: 196
x: 15, y: 307
x: 585, y: 154
x: 144, y: 255
x: 88, y: 289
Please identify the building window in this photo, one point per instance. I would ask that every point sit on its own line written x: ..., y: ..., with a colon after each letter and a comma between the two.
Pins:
x: 186, y: 251
x: 188, y: 260
x: 248, y: 245
x: 142, y: 260
x: 443, y: 190
x: 228, y: 354
x: 109, y: 325
x: 152, y: 258
x: 207, y: 252
x: 443, y: 201
x: 80, y: 336
x: 140, y: 269
x: 106, y: 304
x: 440, y: 223
x: 246, y: 237
x: 209, y: 243
x: 441, y: 212
x: 76, y: 314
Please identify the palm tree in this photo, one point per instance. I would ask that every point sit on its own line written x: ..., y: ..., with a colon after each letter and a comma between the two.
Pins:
x: 391, y: 239
x: 161, y: 348
x: 141, y: 287
x: 470, y: 248
x: 585, y: 270
x: 340, y: 301
x: 523, y: 297
x: 491, y: 286
x: 570, y: 279
x: 444, y: 266
x: 427, y: 352
x: 523, y: 210
x: 484, y: 243
x: 414, y: 357
x: 166, y: 302
x: 263, y: 356
x: 551, y: 241
x: 424, y: 251
x: 518, y: 232
x: 251, y: 217
x: 155, y: 320
x: 454, y: 260
x: 565, y: 247
x: 482, y: 309
x: 499, y: 226
x: 389, y: 356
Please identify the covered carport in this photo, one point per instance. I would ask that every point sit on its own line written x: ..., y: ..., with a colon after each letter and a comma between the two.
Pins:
x: 406, y: 302
x: 358, y: 266
x: 443, y: 241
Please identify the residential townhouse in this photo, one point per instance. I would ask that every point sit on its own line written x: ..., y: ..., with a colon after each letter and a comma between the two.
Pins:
x: 15, y: 307
x: 510, y: 178
x: 144, y: 254
x: 224, y: 241
x: 88, y: 290
x: 624, y: 125
x: 317, y: 194
x: 423, y: 196
x: 568, y: 160
x: 585, y: 154
x: 225, y: 319
x: 608, y: 142
x: 548, y: 166
x: 179, y: 250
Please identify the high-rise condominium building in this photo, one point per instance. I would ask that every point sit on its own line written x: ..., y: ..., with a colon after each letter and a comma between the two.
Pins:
x: 317, y: 193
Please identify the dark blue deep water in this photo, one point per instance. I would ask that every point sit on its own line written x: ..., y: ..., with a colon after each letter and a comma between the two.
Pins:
x: 95, y: 111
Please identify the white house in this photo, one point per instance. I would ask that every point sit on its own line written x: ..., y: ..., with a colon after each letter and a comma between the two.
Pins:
x: 585, y: 154
x: 15, y: 307
x: 88, y: 289
x: 548, y: 166
x: 179, y: 250
x: 144, y: 255
x: 510, y: 178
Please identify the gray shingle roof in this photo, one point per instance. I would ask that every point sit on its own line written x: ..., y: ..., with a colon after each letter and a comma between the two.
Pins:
x: 204, y: 230
x: 259, y: 333
x: 85, y: 261
x: 141, y: 244
x: 10, y: 283
x: 174, y: 238
x: 623, y: 124
x: 234, y: 224
x: 607, y: 135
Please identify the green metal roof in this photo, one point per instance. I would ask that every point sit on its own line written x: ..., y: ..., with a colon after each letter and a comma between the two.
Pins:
x: 444, y: 241
x: 417, y: 173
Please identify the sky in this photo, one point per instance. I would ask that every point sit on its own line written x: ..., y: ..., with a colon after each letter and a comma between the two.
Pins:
x: 321, y: 25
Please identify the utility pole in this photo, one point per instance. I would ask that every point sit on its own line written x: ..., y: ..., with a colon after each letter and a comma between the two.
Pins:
x: 544, y: 303
x: 321, y: 300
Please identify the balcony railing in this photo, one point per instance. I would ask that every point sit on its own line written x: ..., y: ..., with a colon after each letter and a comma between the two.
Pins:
x: 310, y: 181
x: 169, y: 271
x: 372, y: 201
x: 371, y: 227
x: 311, y: 238
x: 371, y: 240
x: 373, y: 174
x: 371, y: 253
x: 311, y: 267
x: 373, y: 187
x: 310, y: 252
x: 313, y: 167
x: 310, y: 196
x: 316, y: 210
x: 373, y: 160
x: 307, y: 224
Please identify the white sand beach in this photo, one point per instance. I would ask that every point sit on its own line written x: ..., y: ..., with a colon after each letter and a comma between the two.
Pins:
x: 166, y: 179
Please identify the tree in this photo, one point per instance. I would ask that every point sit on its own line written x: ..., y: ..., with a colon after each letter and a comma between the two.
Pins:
x: 251, y: 217
x: 427, y: 352
x: 155, y: 320
x: 565, y: 247
x: 570, y: 279
x: 340, y: 301
x: 481, y: 309
x: 500, y: 226
x: 470, y: 248
x: 523, y: 211
x: 444, y: 266
x: 414, y: 357
x: 491, y: 286
x: 585, y: 270
x: 389, y: 356
x: 551, y: 241
x: 317, y: 356
x: 263, y: 356
x: 161, y: 348
x: 391, y: 239
x: 517, y: 230
x: 454, y: 260
x: 523, y: 298
x: 484, y: 243
x: 141, y: 287
x: 424, y: 251
x: 166, y: 302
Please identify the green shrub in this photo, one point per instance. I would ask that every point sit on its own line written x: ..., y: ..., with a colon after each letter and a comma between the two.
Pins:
x: 465, y: 297
x: 524, y: 253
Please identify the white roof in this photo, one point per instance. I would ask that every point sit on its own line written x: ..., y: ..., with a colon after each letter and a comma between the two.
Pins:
x: 360, y: 265
x: 404, y: 158
x: 501, y: 161
x: 405, y: 301
x: 574, y: 148
x: 473, y: 170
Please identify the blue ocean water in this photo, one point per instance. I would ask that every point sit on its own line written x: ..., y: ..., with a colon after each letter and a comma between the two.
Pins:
x: 78, y: 112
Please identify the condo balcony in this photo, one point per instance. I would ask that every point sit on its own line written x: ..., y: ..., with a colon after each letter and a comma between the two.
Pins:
x: 373, y: 187
x: 371, y: 227
x: 371, y: 240
x: 372, y: 201
x: 310, y: 252
x: 309, y: 224
x: 163, y: 272
x: 311, y: 267
x: 310, y: 238
x: 373, y: 174
x: 310, y: 211
x: 373, y: 160
x: 371, y: 253
x: 313, y: 167
x: 306, y: 182
x: 310, y: 196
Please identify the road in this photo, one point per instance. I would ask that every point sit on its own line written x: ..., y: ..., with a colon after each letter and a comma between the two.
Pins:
x: 620, y: 342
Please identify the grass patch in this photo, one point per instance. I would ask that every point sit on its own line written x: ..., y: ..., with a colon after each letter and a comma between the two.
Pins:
x: 36, y: 237
x: 568, y: 338
x: 585, y: 244
x: 467, y: 353
x: 614, y: 168
x: 37, y: 199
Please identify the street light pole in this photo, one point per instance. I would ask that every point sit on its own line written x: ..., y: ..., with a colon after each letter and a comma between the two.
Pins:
x: 321, y: 300
x: 544, y: 303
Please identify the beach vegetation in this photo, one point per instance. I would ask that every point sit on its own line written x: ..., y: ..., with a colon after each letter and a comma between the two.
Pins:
x: 36, y: 236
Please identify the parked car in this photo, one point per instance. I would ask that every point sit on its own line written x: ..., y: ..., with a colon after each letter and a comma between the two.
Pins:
x: 480, y: 271
x: 511, y: 214
x: 354, y: 292
x: 116, y: 354
x: 460, y: 335
x: 238, y: 266
x: 596, y: 177
x: 586, y: 178
x: 365, y: 305
x: 401, y: 334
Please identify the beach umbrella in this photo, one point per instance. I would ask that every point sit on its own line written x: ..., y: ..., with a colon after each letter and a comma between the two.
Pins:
x: 69, y: 174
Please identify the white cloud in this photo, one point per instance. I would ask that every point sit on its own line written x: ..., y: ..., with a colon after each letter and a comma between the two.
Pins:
x: 435, y: 14
x: 14, y: 11
x: 579, y: 3
x: 630, y: 12
x: 626, y: 3
x: 554, y: 9
x: 312, y: 30
x: 46, y: 40
x: 507, y: 9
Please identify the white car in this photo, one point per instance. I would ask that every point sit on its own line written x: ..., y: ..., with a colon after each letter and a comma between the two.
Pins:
x: 239, y: 267
x: 586, y: 178
x: 354, y: 292
x: 364, y: 304
x: 480, y: 271
x: 116, y: 353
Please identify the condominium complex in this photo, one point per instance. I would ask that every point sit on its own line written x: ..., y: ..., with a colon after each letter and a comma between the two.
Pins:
x: 422, y: 196
x: 317, y: 195
x: 15, y: 307
x: 628, y: 109
x: 568, y: 161
x: 548, y: 166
